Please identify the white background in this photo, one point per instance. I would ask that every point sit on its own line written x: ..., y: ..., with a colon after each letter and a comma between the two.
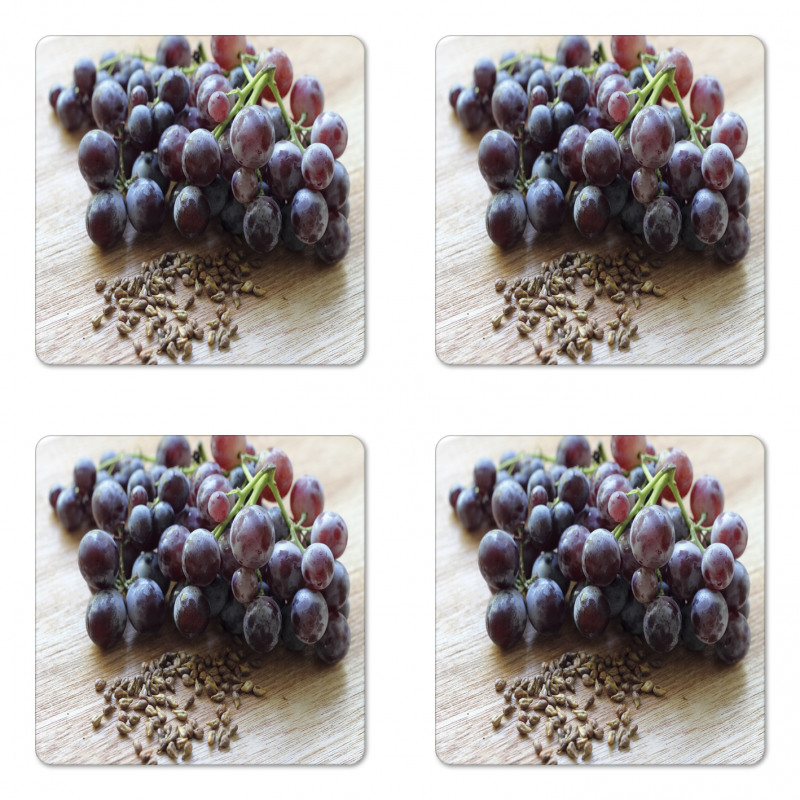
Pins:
x: 399, y: 400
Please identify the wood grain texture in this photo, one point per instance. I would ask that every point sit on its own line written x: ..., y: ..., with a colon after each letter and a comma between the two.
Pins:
x: 312, y: 713
x: 712, y: 314
x: 712, y: 714
x: 312, y: 314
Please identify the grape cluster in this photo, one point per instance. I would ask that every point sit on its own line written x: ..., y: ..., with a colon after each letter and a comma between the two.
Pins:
x: 194, y: 139
x: 591, y: 139
x: 591, y: 538
x: 194, y: 539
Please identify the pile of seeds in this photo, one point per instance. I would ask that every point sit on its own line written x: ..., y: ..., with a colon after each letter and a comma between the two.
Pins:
x: 150, y: 698
x: 552, y: 294
x: 552, y: 694
x: 151, y: 297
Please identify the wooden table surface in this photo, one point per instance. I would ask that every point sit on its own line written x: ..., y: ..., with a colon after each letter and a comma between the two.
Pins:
x: 312, y: 314
x: 312, y: 713
x: 712, y: 313
x: 712, y: 713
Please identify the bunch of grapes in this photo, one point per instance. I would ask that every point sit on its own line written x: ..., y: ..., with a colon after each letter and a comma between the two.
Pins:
x: 194, y: 139
x: 195, y: 539
x: 592, y: 139
x: 591, y: 538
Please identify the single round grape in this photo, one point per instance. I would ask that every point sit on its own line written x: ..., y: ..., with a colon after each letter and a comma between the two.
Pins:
x: 498, y: 159
x: 619, y: 506
x: 98, y: 559
x: 540, y: 526
x: 469, y: 509
x: 591, y: 212
x: 337, y: 191
x: 662, y: 623
x: 735, y: 642
x: 252, y: 537
x: 644, y: 184
x: 600, y: 558
x: 227, y: 450
x: 730, y: 129
x: 307, y: 99
x: 684, y: 170
x: 109, y: 106
x: 145, y: 205
x: 330, y: 529
x: 546, y: 566
x: 262, y: 624
x: 617, y: 593
x: 683, y: 74
x: 574, y: 451
x: 509, y: 107
x: 545, y: 205
x: 591, y: 612
x: 284, y: 73
x: 317, y: 166
x: 284, y: 570
x: 574, y: 51
x: 563, y: 516
x: 627, y: 50
x: 200, y: 559
x: 735, y: 242
x: 174, y: 451
x: 717, y: 566
x: 730, y: 529
x: 674, y: 456
x: 612, y: 484
x: 707, y: 98
x: 309, y: 615
x: 652, y: 537
x: 106, y: 618
x: 506, y: 617
x: 174, y: 51
x: 662, y: 224
x: 738, y: 190
x: 331, y: 130
x: 570, y: 552
x: 252, y: 137
x: 109, y: 505
x: 652, y: 137
x: 717, y: 166
x: 219, y: 507
x: 545, y: 605
x: 106, y: 218
x: 173, y: 488
x: 338, y: 590
x: 227, y: 51
x: 141, y: 528
x: 335, y: 642
x: 573, y: 488
x: 738, y: 590
x: 709, y: 616
x: 200, y: 158
x: 98, y: 159
x: 707, y: 498
x: 600, y: 158
x: 506, y: 218
x: 317, y: 566
x: 262, y: 224
x: 644, y: 585
x: 307, y: 497
x: 688, y: 636
x: 570, y: 152
x: 191, y: 612
x: 217, y: 593
x: 146, y: 566
x: 709, y: 216
x: 541, y: 128
x: 245, y: 584
x: 170, y: 552
x: 498, y: 559
x: 145, y: 604
x: 84, y: 474
x: 684, y: 570
x: 509, y: 506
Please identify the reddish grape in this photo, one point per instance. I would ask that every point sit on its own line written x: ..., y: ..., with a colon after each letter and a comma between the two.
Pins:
x: 307, y: 498
x: 709, y: 616
x: 274, y: 456
x: 707, y: 498
x: 729, y: 128
x: 570, y: 552
x: 707, y: 98
x: 227, y: 450
x: 219, y: 507
x: 684, y: 74
x: 717, y: 566
x: 317, y: 566
x: 227, y: 50
x: 244, y: 585
x: 252, y: 537
x: 730, y: 529
x: 627, y: 50
x: 307, y: 98
x: 644, y: 585
x: 684, y: 570
x: 284, y: 73
x: 619, y: 507
x: 735, y: 642
x: 170, y: 552
x: 329, y: 529
x: 674, y: 456
x: 627, y: 450
x: 652, y: 537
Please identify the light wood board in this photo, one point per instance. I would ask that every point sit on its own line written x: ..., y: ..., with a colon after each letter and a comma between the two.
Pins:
x: 712, y: 713
x: 312, y: 314
x: 712, y: 313
x: 312, y: 713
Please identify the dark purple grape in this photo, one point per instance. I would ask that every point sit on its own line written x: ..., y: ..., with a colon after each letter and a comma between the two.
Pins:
x: 570, y: 552
x: 652, y: 537
x: 506, y: 618
x: 200, y: 559
x: 106, y: 618
x: 141, y: 528
x: 662, y: 623
x: 717, y: 566
x: 109, y: 505
x: 546, y: 566
x: 335, y: 642
x: 545, y: 205
x: 317, y: 566
x: 146, y: 566
x: 331, y: 530
x: 540, y: 526
x: 173, y: 488
x: 498, y: 159
x: 652, y: 137
x: 338, y: 590
x: 709, y: 616
x: 284, y: 570
x: 591, y: 612
x: 600, y: 158
x: 574, y: 51
x: 109, y: 106
x: 545, y: 605
x: 509, y: 107
x: 309, y: 615
x: 632, y: 617
x: 170, y: 552
x: 98, y: 559
x: 335, y: 242
x: 174, y: 451
x: 469, y: 509
x: 145, y: 604
x: 617, y: 593
x: 662, y: 224
x: 98, y: 159
x: 600, y: 558
x: 735, y: 642
x: 573, y: 488
x: 506, y: 218
x: 498, y: 559
x: 591, y: 212
x: 509, y: 506
x: 252, y: 537
x: 683, y: 569
x: 735, y: 242
x: 737, y: 591
x: 709, y: 216
x: 574, y: 451
x: 191, y: 212
x: 262, y: 624
x: 730, y: 529
x: 469, y: 109
x: 106, y: 218
x: 191, y: 612
x: 174, y: 89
